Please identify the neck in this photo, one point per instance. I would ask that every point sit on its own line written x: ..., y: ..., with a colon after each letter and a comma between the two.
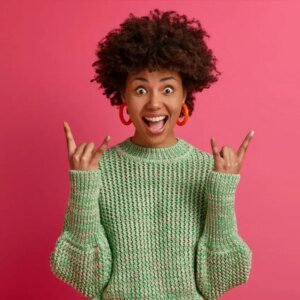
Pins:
x: 155, y: 142
x: 169, y: 154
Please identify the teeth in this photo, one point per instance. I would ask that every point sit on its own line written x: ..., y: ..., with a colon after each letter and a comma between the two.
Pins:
x: 156, y: 119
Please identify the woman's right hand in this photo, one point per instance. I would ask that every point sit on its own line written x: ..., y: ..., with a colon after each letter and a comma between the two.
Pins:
x: 84, y: 157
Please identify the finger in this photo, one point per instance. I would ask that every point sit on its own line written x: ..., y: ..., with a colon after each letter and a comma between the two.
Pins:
x: 233, y: 159
x: 214, y: 148
x: 230, y: 154
x: 78, y: 153
x: 244, y: 146
x: 86, y: 155
x: 100, y: 150
x: 71, y: 146
x: 226, y: 155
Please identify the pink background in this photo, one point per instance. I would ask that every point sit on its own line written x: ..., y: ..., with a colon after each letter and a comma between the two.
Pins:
x: 47, y: 48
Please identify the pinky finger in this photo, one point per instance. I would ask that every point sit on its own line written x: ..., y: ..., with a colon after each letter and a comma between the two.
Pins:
x: 97, y: 153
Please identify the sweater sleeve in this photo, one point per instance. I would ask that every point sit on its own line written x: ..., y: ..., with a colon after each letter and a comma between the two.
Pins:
x: 223, y: 259
x: 82, y: 256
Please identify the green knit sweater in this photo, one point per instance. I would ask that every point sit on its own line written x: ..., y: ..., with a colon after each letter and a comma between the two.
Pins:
x: 152, y: 223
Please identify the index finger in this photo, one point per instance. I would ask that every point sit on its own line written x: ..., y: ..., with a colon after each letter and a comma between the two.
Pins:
x: 244, y: 146
x: 71, y: 146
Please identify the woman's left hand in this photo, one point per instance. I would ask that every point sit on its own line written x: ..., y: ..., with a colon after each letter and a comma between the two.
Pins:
x: 227, y: 160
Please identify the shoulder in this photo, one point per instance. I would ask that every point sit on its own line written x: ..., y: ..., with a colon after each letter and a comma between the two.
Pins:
x: 108, y: 156
x: 205, y: 158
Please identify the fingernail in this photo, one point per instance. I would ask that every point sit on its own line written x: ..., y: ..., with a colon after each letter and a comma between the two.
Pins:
x: 108, y: 138
x: 252, y: 133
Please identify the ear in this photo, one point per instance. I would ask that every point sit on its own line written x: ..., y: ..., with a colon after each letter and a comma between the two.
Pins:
x: 184, y: 96
x: 122, y: 96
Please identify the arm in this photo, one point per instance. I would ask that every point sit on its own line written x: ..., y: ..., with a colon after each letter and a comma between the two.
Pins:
x: 223, y: 259
x: 82, y: 257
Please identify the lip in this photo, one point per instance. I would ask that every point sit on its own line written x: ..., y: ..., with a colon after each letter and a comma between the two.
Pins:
x: 153, y: 115
x: 159, y: 132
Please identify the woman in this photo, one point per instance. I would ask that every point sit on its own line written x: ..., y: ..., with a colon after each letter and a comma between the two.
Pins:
x: 153, y: 217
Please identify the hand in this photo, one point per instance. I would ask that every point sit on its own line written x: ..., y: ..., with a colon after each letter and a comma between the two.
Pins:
x: 84, y: 157
x: 227, y: 161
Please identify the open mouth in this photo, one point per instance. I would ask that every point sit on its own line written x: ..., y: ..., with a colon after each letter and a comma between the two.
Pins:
x: 148, y: 122
x: 156, y: 127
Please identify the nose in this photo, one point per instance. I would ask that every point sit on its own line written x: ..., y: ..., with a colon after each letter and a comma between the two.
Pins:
x: 154, y: 101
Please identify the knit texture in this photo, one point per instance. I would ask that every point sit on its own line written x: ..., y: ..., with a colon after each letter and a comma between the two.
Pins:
x: 152, y: 223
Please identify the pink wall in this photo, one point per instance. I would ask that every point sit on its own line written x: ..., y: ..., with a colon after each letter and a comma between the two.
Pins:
x: 47, y: 48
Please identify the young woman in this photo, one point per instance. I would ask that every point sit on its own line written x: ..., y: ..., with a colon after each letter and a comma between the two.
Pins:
x: 153, y: 217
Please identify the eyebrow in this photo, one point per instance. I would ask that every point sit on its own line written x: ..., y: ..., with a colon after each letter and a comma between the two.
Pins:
x: 163, y: 79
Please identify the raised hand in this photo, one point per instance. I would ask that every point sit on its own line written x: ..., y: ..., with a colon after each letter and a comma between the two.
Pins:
x: 84, y: 157
x: 227, y: 160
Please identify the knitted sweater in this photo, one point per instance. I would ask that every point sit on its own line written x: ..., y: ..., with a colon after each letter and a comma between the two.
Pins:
x: 152, y: 223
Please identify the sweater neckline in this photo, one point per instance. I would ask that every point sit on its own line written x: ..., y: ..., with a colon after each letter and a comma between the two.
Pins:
x: 165, y: 154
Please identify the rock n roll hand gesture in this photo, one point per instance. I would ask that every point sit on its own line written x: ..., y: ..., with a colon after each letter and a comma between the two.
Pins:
x: 227, y: 160
x: 84, y: 157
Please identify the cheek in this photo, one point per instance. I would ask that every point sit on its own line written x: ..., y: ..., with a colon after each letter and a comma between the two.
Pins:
x: 175, y: 109
x: 134, y: 109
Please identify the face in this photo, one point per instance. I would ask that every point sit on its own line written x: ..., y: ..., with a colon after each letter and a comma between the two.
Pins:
x: 158, y: 93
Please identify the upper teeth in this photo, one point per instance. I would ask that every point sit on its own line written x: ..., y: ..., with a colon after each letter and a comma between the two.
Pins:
x: 156, y: 119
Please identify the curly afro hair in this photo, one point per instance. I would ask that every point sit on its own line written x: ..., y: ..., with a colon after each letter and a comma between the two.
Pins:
x: 164, y: 40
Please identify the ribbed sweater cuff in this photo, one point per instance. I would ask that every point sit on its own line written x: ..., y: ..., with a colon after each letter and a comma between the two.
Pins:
x: 84, y: 184
x: 83, y: 217
x: 220, y: 223
x: 222, y: 184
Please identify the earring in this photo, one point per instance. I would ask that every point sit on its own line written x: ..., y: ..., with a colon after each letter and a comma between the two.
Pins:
x: 121, y: 108
x: 186, y: 115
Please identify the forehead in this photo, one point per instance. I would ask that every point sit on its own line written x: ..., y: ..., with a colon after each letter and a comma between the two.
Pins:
x: 155, y: 75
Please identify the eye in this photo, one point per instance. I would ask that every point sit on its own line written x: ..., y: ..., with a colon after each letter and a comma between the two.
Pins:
x: 169, y: 89
x: 140, y: 88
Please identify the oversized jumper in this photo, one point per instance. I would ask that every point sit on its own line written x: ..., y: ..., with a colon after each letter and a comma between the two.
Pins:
x: 152, y: 223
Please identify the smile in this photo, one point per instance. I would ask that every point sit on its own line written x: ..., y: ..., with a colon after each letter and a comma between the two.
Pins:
x: 155, y: 127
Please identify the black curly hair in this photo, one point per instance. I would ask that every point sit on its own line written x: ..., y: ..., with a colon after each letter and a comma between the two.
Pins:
x: 164, y: 40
